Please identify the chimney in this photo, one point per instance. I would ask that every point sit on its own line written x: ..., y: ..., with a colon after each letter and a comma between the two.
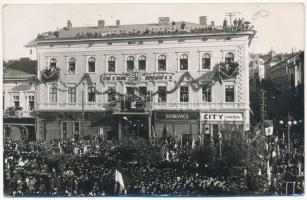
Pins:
x: 117, y: 22
x: 163, y: 20
x: 69, y: 25
x: 212, y: 23
x: 100, y: 23
x: 203, y: 20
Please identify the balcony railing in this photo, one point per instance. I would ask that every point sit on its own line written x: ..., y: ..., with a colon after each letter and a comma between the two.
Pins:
x: 17, y: 113
x: 148, y: 106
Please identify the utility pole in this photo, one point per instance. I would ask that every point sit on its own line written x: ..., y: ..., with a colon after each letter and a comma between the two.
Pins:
x: 230, y: 15
x: 82, y: 129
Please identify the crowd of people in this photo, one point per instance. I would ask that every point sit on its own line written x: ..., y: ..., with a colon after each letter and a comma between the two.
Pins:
x: 86, y: 167
x: 238, y: 25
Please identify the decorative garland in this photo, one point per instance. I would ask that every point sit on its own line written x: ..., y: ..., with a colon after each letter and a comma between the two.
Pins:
x: 220, y: 71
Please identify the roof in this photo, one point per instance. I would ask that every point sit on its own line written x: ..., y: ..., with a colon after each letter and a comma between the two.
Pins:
x: 136, y: 30
x: 20, y: 69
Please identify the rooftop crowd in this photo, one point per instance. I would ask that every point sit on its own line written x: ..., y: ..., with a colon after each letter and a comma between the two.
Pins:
x: 238, y: 25
x: 86, y: 168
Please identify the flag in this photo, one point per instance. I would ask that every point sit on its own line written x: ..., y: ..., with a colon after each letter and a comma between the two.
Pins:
x: 193, y: 143
x: 268, y: 127
x: 119, y: 183
x: 273, y: 154
x: 268, y: 171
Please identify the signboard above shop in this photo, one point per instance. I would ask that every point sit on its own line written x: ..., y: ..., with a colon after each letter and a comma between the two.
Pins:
x: 177, y: 116
x: 221, y: 116
x: 136, y: 77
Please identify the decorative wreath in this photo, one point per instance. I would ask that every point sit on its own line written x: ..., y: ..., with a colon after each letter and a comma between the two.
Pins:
x: 50, y: 74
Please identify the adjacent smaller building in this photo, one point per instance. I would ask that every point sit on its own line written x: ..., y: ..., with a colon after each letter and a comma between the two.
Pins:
x: 19, y: 99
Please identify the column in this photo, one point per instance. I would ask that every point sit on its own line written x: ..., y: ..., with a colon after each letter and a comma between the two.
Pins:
x: 119, y: 130
x: 149, y: 127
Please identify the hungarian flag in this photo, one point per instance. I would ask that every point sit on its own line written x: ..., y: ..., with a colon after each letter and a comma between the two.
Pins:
x: 119, y: 183
x: 268, y: 127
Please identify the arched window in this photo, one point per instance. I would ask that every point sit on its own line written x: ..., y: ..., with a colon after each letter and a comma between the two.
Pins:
x: 229, y: 57
x: 111, y: 64
x: 206, y: 61
x: 130, y: 63
x: 72, y: 65
x: 184, y: 62
x: 52, y: 63
x: 91, y: 64
x: 162, y: 63
x: 142, y: 63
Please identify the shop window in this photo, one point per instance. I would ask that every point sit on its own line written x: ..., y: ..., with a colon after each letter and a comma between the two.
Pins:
x: 206, y: 94
x: 142, y: 63
x: 229, y: 93
x: 7, y: 131
x: 111, y: 64
x: 161, y: 94
x: 111, y: 94
x: 184, y: 94
x: 91, y: 94
x: 64, y: 130
x: 53, y: 95
x: 229, y: 57
x: 31, y: 102
x: 91, y: 64
x: 72, y: 95
x: 183, y: 62
x: 130, y: 63
x: 162, y: 63
x: 52, y: 63
x: 72, y: 66
x: 206, y: 61
x: 16, y: 101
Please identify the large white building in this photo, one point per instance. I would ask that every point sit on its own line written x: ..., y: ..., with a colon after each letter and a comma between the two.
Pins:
x: 138, y: 80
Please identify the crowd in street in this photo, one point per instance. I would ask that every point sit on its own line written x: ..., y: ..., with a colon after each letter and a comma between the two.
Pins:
x: 86, y: 168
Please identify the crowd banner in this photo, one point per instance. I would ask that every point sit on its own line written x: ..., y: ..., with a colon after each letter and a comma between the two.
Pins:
x: 119, y: 183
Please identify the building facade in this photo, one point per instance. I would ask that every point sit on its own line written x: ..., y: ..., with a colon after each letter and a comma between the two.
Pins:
x: 289, y: 73
x: 125, y: 81
x: 19, y: 100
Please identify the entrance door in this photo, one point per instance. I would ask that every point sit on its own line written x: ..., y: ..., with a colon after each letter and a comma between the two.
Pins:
x: 134, y: 128
x: 31, y: 133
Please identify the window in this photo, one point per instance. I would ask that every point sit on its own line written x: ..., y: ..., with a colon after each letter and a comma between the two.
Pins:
x: 64, y: 130
x: 53, y: 95
x: 52, y: 63
x: 206, y: 61
x: 161, y: 94
x: 72, y: 65
x: 91, y: 94
x: 142, y: 63
x: 31, y: 102
x: 229, y: 57
x: 162, y: 63
x: 16, y: 101
x: 130, y: 63
x: 91, y: 64
x: 72, y: 95
x: 111, y: 94
x: 206, y: 94
x: 76, y: 128
x: 183, y: 62
x: 184, y: 94
x: 142, y: 91
x: 111, y: 64
x: 229, y: 93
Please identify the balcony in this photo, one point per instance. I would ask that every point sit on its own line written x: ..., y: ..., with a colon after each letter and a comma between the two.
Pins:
x: 70, y: 106
x: 17, y: 113
x: 199, y: 106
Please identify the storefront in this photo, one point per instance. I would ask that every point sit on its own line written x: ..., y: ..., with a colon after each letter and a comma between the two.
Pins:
x: 19, y: 128
x: 214, y: 123
x: 179, y: 124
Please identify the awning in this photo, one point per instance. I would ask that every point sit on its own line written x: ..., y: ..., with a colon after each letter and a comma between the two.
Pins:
x: 22, y: 87
x: 131, y: 113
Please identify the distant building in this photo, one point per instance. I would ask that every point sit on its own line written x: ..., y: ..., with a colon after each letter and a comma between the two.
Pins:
x: 256, y: 67
x: 19, y: 99
x: 127, y: 81
x: 288, y: 73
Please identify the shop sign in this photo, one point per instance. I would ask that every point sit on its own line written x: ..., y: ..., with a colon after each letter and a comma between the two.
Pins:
x: 230, y: 117
x: 136, y: 76
x: 177, y: 115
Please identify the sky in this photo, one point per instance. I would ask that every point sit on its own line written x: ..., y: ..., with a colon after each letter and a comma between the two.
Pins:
x: 280, y: 26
